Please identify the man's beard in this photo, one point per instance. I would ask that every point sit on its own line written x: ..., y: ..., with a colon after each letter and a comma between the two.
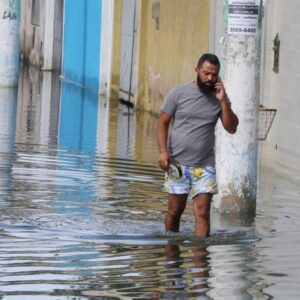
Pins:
x: 205, y: 87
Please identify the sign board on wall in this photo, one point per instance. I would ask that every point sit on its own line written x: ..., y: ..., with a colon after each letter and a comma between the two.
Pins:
x: 243, y: 17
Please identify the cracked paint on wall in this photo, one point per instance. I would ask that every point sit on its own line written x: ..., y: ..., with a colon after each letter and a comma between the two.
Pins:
x: 9, y: 42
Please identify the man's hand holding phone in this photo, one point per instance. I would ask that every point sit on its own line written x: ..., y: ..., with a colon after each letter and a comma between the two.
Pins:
x: 220, y: 90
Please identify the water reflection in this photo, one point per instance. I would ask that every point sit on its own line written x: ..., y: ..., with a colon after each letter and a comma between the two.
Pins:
x: 38, y: 107
x: 189, y: 274
x: 8, y: 104
x: 81, y: 210
x: 78, y: 119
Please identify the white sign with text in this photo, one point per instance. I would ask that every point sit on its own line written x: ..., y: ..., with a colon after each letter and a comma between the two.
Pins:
x: 243, y: 16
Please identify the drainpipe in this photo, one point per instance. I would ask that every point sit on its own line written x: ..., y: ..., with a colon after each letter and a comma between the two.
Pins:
x: 9, y: 42
x: 236, y: 155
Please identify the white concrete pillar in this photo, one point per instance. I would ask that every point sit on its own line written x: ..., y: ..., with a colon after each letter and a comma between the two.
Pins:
x: 106, y: 47
x: 9, y: 42
x: 48, y: 35
x: 236, y: 155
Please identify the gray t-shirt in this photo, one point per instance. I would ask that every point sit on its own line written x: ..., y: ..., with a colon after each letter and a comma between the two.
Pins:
x: 195, y: 114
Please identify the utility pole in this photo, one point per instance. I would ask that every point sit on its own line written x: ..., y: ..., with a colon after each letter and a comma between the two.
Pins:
x: 236, y: 155
x: 9, y: 42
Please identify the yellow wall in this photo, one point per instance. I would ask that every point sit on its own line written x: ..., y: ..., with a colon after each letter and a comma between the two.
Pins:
x: 168, y: 55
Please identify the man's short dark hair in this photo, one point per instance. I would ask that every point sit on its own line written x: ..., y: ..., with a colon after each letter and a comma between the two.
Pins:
x: 211, y: 58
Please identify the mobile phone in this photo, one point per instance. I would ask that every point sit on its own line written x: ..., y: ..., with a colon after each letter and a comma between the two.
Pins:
x: 175, y: 170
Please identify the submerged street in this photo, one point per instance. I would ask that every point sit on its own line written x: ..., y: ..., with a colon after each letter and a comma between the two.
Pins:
x: 82, y: 209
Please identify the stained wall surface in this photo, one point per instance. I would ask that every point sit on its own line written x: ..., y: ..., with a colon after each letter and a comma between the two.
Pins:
x: 280, y: 90
x: 172, y: 36
x: 32, y: 32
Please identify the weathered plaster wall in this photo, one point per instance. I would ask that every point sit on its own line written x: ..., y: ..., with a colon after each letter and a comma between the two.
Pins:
x: 32, y: 34
x: 280, y: 90
x: 9, y: 42
x: 167, y: 55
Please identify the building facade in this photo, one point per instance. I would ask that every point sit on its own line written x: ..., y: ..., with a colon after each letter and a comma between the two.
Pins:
x: 279, y: 87
x: 137, y: 50
x: 158, y: 46
x: 41, y: 27
x: 70, y: 37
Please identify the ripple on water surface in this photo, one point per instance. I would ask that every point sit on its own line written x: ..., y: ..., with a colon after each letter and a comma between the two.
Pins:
x: 82, y: 212
x: 92, y: 232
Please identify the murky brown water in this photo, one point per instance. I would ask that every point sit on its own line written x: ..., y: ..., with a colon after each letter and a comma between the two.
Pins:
x: 81, y: 210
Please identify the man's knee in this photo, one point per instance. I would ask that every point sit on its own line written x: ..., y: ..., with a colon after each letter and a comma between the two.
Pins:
x: 202, y: 207
x: 202, y: 212
x: 175, y: 212
x: 176, y: 205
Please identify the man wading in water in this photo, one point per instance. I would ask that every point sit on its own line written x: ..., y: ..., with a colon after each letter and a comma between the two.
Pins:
x: 188, y: 157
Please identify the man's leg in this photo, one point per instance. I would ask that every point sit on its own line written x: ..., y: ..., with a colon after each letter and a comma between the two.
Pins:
x: 176, y: 206
x: 202, y: 214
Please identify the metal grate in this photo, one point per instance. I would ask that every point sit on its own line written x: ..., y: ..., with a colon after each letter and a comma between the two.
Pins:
x: 265, y: 120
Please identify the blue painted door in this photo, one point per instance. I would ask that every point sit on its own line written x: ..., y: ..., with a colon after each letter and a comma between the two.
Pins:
x: 82, y: 42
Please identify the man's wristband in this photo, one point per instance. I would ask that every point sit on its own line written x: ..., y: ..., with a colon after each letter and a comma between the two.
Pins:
x: 163, y: 150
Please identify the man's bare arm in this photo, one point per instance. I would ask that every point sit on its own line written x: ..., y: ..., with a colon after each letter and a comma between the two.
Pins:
x: 229, y: 119
x: 162, y: 140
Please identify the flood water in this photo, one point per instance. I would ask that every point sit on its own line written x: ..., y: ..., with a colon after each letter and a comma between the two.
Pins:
x: 82, y: 210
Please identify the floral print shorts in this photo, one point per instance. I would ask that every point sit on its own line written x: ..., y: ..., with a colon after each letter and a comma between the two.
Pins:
x: 190, y: 180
